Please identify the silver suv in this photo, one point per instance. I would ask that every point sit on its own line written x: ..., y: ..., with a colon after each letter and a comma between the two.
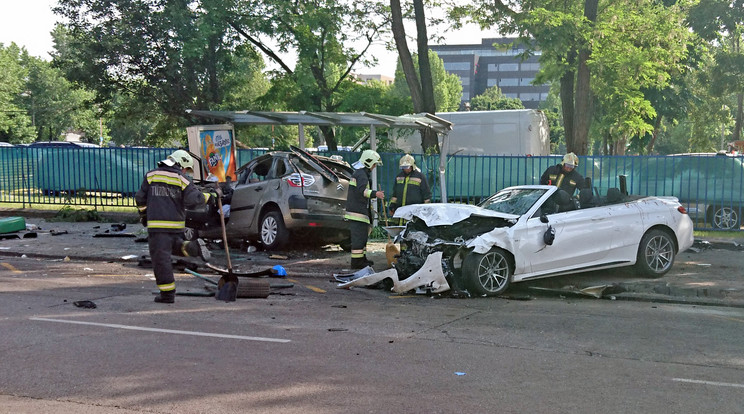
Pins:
x: 283, y: 196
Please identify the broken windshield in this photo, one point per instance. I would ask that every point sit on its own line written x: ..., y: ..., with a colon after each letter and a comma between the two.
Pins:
x: 513, y: 201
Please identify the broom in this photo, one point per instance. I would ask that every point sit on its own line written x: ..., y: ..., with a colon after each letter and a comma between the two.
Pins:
x: 391, y: 250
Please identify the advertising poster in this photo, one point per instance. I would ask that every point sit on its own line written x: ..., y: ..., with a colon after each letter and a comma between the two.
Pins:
x: 218, y: 153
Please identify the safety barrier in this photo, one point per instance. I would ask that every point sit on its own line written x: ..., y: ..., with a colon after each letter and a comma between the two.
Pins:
x: 709, y: 186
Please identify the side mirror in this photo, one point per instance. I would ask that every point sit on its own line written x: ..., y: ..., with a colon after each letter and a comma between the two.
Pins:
x: 549, y: 236
x: 544, y: 218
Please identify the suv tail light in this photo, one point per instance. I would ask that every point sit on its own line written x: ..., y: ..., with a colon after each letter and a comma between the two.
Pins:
x: 300, y: 180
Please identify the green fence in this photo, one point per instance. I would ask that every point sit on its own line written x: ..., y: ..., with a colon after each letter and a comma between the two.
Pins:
x: 708, y: 186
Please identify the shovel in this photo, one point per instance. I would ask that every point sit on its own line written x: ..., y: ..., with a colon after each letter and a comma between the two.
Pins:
x: 228, y: 283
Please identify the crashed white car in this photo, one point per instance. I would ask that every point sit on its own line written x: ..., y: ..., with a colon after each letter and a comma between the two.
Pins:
x: 534, y: 231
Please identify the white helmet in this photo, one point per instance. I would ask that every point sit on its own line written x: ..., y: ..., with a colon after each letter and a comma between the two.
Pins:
x: 369, y: 158
x: 407, y: 161
x: 570, y: 158
x: 182, y: 158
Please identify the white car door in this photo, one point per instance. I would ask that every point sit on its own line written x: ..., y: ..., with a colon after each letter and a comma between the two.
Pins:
x: 582, y: 237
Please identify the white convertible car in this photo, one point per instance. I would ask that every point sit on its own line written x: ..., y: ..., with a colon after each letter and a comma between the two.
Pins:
x: 529, y: 232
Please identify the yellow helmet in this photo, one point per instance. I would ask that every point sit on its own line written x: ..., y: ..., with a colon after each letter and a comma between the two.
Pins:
x: 369, y: 158
x: 570, y: 158
x: 407, y: 161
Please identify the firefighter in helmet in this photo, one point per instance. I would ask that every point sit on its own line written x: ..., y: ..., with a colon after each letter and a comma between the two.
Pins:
x: 410, y: 186
x: 164, y: 195
x: 358, y: 206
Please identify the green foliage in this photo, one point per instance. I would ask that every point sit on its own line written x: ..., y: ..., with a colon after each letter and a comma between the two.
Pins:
x: 15, y: 119
x: 493, y: 99
x: 447, y: 87
x: 158, y: 59
x: 70, y: 214
x: 38, y: 103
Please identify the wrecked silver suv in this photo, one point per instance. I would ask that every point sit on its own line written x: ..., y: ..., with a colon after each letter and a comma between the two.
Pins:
x: 283, y: 196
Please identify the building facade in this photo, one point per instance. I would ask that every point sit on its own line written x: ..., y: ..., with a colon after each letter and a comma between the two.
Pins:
x: 494, y: 62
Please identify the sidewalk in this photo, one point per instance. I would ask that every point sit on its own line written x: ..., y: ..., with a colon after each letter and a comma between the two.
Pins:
x: 710, y: 273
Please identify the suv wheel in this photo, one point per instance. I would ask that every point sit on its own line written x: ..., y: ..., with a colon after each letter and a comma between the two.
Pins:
x: 272, y: 233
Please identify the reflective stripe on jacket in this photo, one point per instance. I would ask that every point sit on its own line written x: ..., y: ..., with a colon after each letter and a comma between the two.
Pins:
x: 357, y: 200
x: 164, y: 194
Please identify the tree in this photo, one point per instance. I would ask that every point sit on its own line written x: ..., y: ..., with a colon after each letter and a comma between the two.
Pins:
x: 420, y: 84
x: 322, y: 33
x: 721, y: 23
x: 493, y: 99
x: 15, y: 121
x: 38, y: 103
x: 177, y: 55
x: 447, y: 87
x: 593, y: 50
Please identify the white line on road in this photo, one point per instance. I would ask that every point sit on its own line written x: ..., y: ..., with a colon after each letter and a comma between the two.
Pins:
x: 717, y: 384
x: 171, y: 331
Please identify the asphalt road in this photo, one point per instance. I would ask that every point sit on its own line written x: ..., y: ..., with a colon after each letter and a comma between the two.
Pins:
x: 316, y: 349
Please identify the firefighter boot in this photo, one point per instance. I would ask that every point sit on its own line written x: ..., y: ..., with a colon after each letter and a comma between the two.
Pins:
x: 358, y: 262
x: 166, y: 297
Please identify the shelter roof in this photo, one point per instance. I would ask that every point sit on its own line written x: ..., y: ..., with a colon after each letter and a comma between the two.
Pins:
x: 413, y: 121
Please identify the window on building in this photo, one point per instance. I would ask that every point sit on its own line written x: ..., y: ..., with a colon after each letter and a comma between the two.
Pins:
x: 508, y: 82
x: 529, y: 96
x: 450, y: 66
x: 530, y: 66
x: 508, y: 67
x: 492, y: 82
x: 465, y: 81
x: 526, y: 81
x: 512, y: 95
x: 466, y: 96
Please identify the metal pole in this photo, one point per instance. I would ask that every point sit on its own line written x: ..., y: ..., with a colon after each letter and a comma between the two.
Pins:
x: 442, y: 166
x: 373, y: 146
x: 302, y: 136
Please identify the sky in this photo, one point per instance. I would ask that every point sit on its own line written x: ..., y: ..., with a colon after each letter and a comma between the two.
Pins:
x: 29, y: 23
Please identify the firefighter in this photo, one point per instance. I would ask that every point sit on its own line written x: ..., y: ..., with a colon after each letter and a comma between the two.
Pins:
x: 410, y: 186
x: 162, y: 198
x: 359, y: 209
x: 564, y: 175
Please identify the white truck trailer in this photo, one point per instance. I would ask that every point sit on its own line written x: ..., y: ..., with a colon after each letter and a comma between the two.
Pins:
x: 505, y: 132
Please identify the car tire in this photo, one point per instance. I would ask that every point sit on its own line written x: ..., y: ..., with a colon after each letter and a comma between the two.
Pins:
x: 272, y: 231
x: 655, y: 254
x: 725, y: 217
x: 487, y: 274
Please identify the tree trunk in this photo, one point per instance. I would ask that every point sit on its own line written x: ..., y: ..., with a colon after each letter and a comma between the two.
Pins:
x: 399, y: 34
x: 657, y: 127
x: 583, y: 111
x: 567, y: 106
x: 429, y: 141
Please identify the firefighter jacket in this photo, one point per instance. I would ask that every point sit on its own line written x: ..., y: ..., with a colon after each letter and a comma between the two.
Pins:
x: 567, y: 181
x: 164, y: 194
x: 410, y: 189
x: 358, y: 207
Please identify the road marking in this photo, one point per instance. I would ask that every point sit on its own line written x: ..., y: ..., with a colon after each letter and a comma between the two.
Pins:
x: 171, y: 331
x: 717, y: 384
x: 10, y: 267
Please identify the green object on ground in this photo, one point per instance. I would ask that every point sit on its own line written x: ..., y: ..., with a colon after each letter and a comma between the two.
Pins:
x: 12, y: 224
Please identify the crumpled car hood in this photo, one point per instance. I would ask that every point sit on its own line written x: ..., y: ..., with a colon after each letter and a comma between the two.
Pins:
x: 441, y: 214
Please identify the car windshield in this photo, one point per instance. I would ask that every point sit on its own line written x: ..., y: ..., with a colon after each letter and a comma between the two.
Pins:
x: 513, y: 201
